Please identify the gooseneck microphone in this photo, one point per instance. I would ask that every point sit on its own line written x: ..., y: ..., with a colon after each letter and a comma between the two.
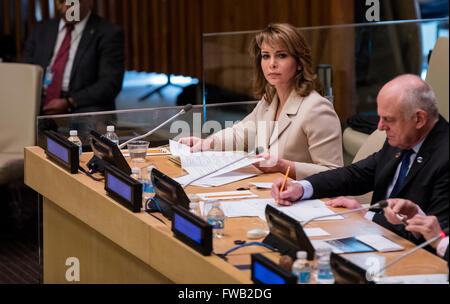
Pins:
x: 257, y: 151
x: 379, y: 205
x: 441, y: 235
x: 186, y: 109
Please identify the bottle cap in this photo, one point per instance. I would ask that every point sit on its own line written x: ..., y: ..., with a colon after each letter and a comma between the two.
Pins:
x: 73, y: 133
x: 110, y: 128
x: 301, y: 254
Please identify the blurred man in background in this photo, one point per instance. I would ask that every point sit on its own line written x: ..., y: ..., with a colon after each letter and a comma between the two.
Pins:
x: 83, y: 59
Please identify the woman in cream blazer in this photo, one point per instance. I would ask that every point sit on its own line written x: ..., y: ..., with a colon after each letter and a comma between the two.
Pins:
x: 292, y: 121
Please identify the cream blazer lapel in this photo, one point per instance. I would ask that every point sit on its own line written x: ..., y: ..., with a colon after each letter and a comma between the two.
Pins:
x: 289, y: 110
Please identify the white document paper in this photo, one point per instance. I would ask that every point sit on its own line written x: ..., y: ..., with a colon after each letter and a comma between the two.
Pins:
x: 310, y: 232
x: 263, y: 185
x: 215, y: 181
x: 379, y: 242
x: 415, y: 279
x: 300, y: 211
x: 202, y: 163
x: 307, y: 209
x: 178, y: 149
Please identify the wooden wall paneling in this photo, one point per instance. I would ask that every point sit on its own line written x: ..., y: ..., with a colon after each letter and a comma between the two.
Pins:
x: 155, y: 38
x: 182, y: 55
x: 6, y: 5
x: 193, y: 32
x: 135, y: 31
x: 299, y: 16
x: 18, y: 27
x: 125, y: 24
x: 144, y: 34
x: 172, y: 35
x: 162, y: 65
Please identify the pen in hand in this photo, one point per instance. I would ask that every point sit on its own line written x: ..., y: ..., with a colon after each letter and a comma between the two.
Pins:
x: 284, y: 182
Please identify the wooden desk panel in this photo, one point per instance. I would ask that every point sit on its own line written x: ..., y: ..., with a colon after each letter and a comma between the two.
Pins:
x: 105, y: 234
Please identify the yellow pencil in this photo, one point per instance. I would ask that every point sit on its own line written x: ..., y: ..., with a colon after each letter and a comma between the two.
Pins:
x: 284, y: 181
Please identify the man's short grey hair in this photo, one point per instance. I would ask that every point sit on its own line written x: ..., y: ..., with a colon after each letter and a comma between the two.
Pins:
x: 420, y: 97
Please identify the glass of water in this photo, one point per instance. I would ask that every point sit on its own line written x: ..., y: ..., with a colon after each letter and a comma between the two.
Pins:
x: 138, y: 151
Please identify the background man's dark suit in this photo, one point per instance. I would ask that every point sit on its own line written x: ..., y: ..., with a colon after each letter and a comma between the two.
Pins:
x: 98, y: 68
x: 426, y: 183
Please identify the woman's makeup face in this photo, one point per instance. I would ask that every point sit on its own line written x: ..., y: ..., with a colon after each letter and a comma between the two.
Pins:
x: 278, y: 65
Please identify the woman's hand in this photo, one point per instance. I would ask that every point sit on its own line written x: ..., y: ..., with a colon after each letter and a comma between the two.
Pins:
x: 272, y: 164
x: 197, y: 144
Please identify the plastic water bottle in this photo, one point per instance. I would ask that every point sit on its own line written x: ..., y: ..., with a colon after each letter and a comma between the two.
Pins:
x: 111, y: 135
x: 216, y: 218
x: 195, y: 208
x: 135, y: 173
x: 301, y: 268
x: 74, y: 138
x: 324, y: 272
x: 146, y: 180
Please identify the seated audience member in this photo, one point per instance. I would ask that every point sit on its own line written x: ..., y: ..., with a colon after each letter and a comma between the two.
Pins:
x: 417, y: 221
x: 83, y: 60
x: 412, y: 164
x: 296, y: 125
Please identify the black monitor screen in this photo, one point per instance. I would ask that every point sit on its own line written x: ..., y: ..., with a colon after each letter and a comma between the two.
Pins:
x: 107, y: 151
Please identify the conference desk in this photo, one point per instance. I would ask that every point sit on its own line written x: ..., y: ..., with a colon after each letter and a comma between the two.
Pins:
x: 114, y: 245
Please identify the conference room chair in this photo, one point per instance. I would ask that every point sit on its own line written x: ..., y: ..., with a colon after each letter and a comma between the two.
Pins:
x: 20, y: 94
x: 437, y: 74
x: 373, y: 143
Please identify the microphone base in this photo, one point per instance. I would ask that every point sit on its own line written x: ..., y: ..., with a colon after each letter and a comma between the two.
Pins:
x: 159, y: 206
x: 95, y: 165
x: 283, y: 247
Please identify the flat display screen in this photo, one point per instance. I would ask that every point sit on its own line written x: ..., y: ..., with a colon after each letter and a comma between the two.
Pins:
x: 266, y: 276
x: 187, y: 228
x: 119, y: 187
x: 58, y: 150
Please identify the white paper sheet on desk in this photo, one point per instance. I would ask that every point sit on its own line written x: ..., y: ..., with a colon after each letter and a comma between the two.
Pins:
x: 307, y: 209
x: 242, y: 209
x: 301, y: 211
x: 310, y: 232
x: 215, y: 181
x: 202, y: 163
x: 178, y: 149
x: 416, y: 279
x: 263, y: 185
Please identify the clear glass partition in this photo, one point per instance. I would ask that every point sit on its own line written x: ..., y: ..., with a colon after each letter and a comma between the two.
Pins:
x: 362, y: 57
x: 201, y: 121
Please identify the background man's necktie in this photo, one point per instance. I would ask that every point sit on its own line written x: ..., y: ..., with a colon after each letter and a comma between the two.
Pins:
x: 54, y: 88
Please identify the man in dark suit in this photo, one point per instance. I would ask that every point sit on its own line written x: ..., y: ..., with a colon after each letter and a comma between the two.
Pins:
x: 413, y: 163
x: 83, y: 59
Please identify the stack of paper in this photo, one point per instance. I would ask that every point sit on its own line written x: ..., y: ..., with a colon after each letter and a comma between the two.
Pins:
x: 201, y: 163
x: 300, y: 211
